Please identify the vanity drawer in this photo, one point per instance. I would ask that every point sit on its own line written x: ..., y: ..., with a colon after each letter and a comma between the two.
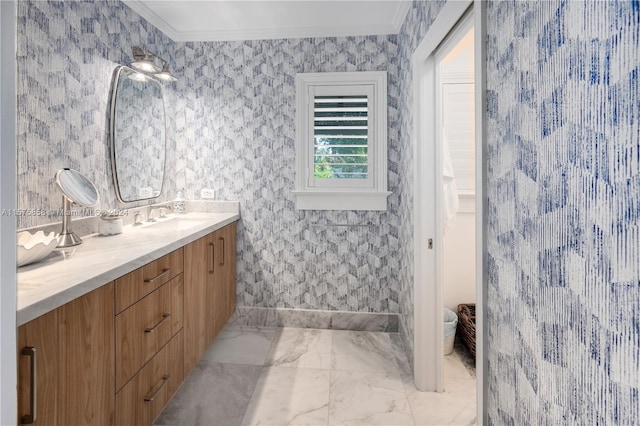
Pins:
x: 144, y: 397
x: 135, y: 285
x: 146, y: 327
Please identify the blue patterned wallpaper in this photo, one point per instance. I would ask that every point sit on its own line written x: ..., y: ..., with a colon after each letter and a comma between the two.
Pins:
x: 236, y: 121
x: 231, y: 128
x: 563, y: 233
x: 563, y: 178
x: 66, y: 55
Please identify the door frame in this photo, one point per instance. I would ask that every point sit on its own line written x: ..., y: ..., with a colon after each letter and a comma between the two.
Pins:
x: 428, y: 329
x: 8, y: 191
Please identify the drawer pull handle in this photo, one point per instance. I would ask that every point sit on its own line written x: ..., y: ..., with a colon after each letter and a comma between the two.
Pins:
x: 213, y: 258
x: 33, y: 391
x: 164, y: 272
x: 155, y: 327
x: 152, y: 396
x: 222, y: 240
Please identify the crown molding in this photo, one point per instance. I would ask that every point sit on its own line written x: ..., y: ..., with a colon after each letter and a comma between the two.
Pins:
x: 401, y: 15
x: 141, y: 9
x: 282, y: 33
x: 269, y: 33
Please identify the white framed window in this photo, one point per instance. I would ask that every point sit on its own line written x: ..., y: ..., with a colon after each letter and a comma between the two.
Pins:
x: 341, y: 141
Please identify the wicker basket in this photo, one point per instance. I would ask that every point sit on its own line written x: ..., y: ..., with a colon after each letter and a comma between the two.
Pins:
x: 467, y: 325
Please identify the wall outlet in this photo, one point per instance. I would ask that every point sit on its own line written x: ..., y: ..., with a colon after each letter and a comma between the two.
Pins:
x: 206, y: 193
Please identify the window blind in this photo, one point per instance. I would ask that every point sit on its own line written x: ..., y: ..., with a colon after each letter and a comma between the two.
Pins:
x: 341, y: 132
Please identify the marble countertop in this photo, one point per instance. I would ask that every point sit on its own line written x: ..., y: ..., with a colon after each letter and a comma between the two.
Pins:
x: 63, y: 277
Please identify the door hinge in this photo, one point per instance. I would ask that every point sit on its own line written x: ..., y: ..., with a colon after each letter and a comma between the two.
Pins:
x: 430, y: 244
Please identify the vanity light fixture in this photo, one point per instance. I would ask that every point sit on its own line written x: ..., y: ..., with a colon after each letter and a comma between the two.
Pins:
x: 145, y: 61
x: 165, y: 74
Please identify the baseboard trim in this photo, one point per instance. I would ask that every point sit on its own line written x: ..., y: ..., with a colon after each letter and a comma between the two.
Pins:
x: 307, y: 318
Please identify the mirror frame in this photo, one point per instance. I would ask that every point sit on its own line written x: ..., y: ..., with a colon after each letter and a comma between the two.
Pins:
x: 85, y: 184
x: 112, y: 141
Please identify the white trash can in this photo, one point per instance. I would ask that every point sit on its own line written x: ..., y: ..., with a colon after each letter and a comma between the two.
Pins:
x: 450, y: 324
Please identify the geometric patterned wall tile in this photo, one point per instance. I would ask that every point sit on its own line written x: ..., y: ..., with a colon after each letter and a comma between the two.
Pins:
x: 563, y: 190
x: 66, y: 55
x: 230, y: 127
x: 239, y: 99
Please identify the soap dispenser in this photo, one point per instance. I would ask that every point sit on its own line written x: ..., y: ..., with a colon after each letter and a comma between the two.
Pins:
x: 178, y: 203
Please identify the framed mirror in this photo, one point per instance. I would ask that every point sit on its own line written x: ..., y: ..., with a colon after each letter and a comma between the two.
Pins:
x: 138, y: 135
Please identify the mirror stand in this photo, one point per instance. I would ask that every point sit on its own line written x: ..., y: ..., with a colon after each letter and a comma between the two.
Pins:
x: 67, y: 237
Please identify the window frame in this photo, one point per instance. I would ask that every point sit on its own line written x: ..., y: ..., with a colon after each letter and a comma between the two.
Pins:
x: 338, y: 91
x: 341, y: 194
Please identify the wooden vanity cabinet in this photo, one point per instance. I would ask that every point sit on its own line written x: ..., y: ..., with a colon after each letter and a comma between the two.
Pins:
x: 119, y: 353
x: 74, y: 363
x: 210, y: 290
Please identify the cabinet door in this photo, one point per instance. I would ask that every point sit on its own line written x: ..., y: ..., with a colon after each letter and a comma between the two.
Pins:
x: 228, y: 270
x: 198, y: 265
x: 87, y: 359
x: 220, y: 278
x: 38, y: 360
x: 210, y: 290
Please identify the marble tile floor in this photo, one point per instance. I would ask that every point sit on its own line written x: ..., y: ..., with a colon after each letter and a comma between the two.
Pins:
x: 294, y: 376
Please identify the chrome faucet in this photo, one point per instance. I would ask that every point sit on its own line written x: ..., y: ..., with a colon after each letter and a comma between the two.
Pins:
x: 137, y: 219
x: 151, y: 209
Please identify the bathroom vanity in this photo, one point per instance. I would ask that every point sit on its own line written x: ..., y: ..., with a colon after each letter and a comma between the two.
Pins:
x: 107, y: 335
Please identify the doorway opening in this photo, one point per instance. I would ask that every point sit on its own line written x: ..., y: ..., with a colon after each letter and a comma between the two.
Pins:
x: 455, y: 115
x: 448, y: 207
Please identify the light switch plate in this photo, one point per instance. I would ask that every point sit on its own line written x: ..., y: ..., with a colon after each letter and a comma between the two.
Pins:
x: 206, y: 193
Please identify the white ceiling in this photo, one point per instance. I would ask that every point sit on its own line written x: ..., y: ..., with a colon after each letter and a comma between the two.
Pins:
x: 218, y: 20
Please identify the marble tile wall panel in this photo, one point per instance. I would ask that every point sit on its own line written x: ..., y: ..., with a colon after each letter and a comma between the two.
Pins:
x: 304, y: 318
x: 83, y: 226
x: 563, y: 188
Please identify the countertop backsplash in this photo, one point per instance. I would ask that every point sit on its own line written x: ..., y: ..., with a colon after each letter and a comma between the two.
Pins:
x: 87, y: 225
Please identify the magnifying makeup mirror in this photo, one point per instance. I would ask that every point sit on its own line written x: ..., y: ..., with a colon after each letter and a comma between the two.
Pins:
x: 76, y: 188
